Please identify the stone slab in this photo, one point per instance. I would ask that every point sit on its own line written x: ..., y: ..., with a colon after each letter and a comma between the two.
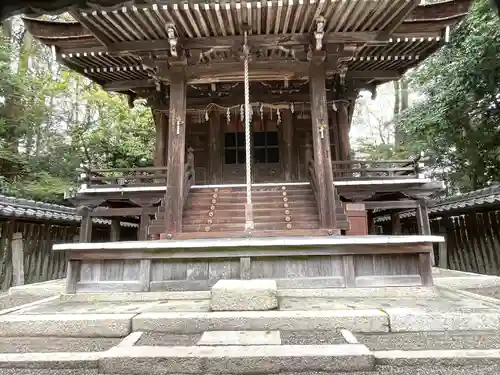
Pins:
x: 136, y: 296
x: 70, y: 360
x: 421, y: 292
x: 269, y: 359
x: 240, y: 338
x: 413, y: 320
x: 66, y: 325
x: 244, y: 295
x: 438, y: 357
x: 370, y: 320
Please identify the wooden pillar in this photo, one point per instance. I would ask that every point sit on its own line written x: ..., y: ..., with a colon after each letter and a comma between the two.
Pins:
x: 85, y: 225
x: 396, y: 223
x: 161, y: 126
x: 321, y: 142
x: 144, y: 226
x: 371, y: 222
x: 215, y: 142
x: 287, y: 161
x: 176, y: 151
x: 422, y: 215
x: 74, y: 266
x: 17, y: 259
x: 424, y: 226
x: 114, y: 232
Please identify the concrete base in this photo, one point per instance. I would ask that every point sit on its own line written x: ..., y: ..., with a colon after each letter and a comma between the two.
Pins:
x: 244, y: 295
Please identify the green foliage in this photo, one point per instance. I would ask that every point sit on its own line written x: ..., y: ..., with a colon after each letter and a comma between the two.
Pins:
x: 456, y: 123
x: 50, y: 124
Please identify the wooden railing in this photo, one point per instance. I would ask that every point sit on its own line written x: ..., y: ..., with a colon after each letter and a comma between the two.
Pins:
x: 375, y: 169
x: 121, y: 177
x: 189, y: 174
x: 313, y: 180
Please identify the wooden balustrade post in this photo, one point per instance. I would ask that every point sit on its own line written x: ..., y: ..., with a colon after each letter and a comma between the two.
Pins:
x: 17, y: 259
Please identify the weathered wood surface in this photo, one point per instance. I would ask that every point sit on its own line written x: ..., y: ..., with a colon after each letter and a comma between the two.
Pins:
x: 158, y: 268
x: 176, y: 152
x: 114, y: 177
x: 39, y: 262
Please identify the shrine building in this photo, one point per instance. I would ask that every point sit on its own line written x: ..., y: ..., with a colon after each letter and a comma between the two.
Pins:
x: 253, y: 174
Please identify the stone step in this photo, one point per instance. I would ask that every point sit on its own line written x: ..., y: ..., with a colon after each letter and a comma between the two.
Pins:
x: 244, y: 295
x: 358, y: 320
x: 261, y: 359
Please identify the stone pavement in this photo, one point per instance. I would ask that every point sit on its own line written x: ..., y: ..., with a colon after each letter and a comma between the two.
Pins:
x: 413, y: 330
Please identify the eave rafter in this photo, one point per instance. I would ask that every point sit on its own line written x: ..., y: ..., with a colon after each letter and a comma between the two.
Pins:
x: 130, y: 47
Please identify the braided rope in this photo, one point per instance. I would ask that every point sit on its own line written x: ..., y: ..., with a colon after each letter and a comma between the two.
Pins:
x: 247, y: 124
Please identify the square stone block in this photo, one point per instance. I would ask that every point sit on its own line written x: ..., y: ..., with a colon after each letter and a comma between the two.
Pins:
x: 244, y: 295
x: 242, y: 338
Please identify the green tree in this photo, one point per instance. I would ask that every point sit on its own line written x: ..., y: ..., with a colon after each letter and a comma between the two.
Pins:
x: 456, y: 123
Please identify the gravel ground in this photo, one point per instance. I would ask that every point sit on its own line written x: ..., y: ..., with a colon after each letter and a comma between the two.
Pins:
x: 6, y: 301
x: 493, y: 292
x: 55, y: 344
x: 431, y: 340
x: 6, y: 371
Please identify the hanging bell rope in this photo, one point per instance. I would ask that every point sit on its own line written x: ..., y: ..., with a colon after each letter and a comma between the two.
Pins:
x: 246, y: 53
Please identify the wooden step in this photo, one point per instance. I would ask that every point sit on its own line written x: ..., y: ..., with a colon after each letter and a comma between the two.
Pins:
x: 257, y: 233
x: 243, y: 198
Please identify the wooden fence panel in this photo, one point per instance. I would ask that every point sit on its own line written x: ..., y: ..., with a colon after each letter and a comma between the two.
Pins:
x: 40, y: 262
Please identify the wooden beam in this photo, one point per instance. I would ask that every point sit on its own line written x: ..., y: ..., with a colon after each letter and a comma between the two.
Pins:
x: 230, y: 72
x: 390, y: 204
x: 255, y: 41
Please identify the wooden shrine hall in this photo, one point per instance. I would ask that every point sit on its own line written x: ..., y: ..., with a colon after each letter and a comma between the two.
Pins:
x: 252, y: 104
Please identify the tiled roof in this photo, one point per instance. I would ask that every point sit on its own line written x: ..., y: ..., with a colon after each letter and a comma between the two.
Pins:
x: 474, y: 199
x: 17, y: 207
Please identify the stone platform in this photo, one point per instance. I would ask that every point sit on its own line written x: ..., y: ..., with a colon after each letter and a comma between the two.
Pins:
x: 391, y: 330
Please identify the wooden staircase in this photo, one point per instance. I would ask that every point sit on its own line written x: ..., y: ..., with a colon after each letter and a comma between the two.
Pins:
x: 277, y: 211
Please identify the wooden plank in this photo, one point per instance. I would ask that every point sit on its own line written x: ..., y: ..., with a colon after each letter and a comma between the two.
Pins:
x: 349, y: 271
x: 172, y: 254
x: 145, y: 275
